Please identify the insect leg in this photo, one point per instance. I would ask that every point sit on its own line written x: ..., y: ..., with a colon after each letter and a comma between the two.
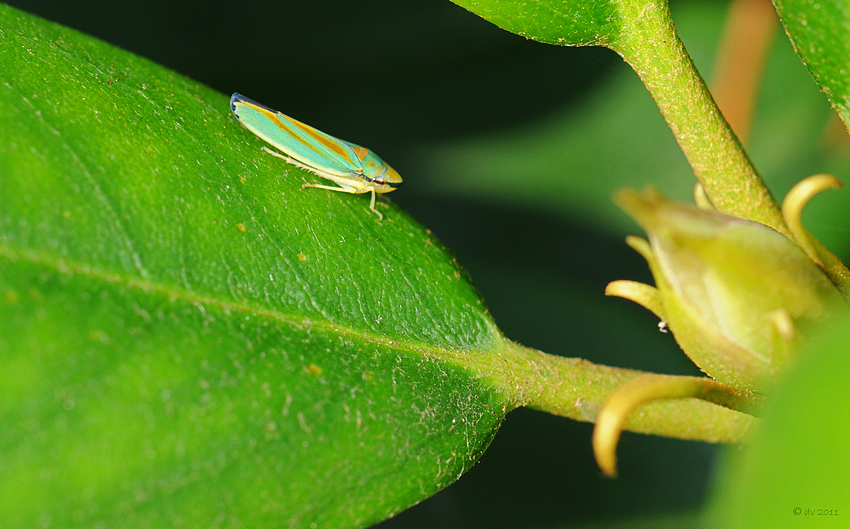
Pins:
x: 332, y: 188
x: 342, y: 187
x: 351, y: 190
x: 372, y: 205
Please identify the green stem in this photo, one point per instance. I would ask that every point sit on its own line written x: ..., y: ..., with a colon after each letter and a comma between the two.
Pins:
x: 578, y: 389
x: 650, y: 45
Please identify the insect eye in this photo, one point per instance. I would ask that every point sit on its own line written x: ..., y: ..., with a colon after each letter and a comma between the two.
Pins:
x: 380, y: 181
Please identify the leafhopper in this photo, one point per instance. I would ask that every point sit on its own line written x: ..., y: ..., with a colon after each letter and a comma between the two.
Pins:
x: 353, y: 168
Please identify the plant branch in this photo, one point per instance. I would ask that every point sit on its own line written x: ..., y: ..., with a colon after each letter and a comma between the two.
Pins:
x: 650, y: 45
x: 578, y: 389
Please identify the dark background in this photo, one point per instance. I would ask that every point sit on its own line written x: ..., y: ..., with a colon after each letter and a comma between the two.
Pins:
x: 400, y: 75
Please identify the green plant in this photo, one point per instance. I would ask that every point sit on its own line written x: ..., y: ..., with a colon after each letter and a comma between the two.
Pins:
x: 271, y: 356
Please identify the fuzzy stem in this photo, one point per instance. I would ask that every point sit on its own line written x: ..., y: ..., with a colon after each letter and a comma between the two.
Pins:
x: 650, y: 45
x: 578, y: 389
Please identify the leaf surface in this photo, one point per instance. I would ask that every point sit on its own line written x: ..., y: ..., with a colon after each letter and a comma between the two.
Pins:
x: 796, y: 468
x: 185, y: 334
x: 820, y: 32
x: 571, y: 23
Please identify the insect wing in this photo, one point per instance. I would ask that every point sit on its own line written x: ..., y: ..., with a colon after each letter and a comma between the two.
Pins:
x: 300, y: 141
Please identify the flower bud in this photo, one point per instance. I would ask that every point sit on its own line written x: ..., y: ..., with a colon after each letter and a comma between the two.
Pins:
x: 736, y: 295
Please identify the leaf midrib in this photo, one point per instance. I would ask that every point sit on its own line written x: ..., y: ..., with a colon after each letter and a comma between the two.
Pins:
x: 67, y: 267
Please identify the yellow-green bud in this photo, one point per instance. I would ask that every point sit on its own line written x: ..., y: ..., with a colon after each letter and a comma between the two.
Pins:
x: 737, y: 295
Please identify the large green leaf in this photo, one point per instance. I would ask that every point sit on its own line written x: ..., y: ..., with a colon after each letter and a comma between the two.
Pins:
x: 188, y: 337
x: 820, y: 32
x: 796, y: 470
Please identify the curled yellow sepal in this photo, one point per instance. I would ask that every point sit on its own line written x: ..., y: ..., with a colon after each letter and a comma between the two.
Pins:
x: 641, y: 293
x: 645, y: 295
x: 792, y: 211
x: 647, y: 388
x: 701, y: 198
